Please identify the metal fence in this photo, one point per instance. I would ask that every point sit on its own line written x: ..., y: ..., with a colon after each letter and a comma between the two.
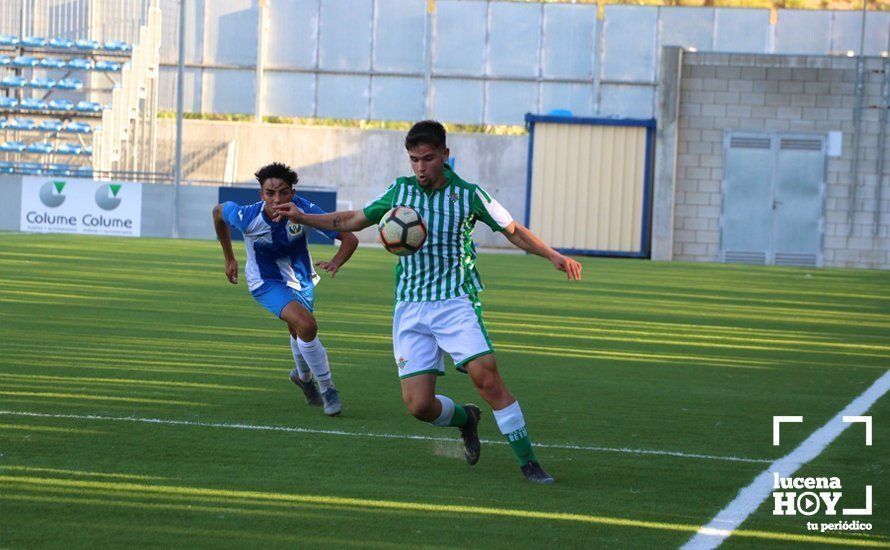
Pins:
x: 75, y: 19
x: 470, y: 61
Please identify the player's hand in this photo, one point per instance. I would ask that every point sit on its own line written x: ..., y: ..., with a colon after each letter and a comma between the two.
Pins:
x: 232, y: 271
x: 571, y: 268
x: 331, y: 267
x: 287, y: 210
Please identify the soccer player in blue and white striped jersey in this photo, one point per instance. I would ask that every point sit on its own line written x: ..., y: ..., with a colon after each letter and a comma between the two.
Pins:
x: 437, y: 305
x: 280, y: 275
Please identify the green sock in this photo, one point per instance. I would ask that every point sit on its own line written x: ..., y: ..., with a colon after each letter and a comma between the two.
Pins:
x: 522, y: 446
x: 459, y: 418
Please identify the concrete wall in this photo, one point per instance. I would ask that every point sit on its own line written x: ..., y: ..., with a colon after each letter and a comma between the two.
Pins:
x: 761, y: 93
x: 360, y: 164
x: 10, y: 202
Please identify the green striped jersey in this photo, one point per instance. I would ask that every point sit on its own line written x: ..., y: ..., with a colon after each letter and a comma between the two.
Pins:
x: 445, y: 267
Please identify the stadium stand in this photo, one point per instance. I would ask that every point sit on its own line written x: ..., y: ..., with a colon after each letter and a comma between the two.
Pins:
x: 101, y: 95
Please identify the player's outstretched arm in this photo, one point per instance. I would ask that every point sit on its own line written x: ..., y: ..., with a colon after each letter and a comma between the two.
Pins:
x: 522, y: 238
x: 348, y: 244
x: 348, y: 220
x: 225, y: 240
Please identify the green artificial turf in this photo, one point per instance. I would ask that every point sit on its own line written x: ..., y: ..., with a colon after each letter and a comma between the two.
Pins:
x: 100, y: 335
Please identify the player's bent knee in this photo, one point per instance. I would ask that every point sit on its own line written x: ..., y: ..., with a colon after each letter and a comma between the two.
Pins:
x: 309, y: 330
x: 422, y: 408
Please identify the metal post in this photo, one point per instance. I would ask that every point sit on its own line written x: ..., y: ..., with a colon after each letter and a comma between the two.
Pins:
x: 428, y: 57
x: 857, y: 123
x: 260, y: 61
x: 180, y: 93
x: 882, y: 136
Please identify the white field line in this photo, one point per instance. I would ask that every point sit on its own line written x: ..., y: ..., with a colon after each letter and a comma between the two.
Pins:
x: 289, y: 429
x: 749, y: 499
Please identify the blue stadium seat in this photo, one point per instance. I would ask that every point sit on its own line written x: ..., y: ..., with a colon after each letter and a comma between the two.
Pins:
x: 88, y: 107
x: 30, y: 168
x: 33, y: 41
x: 5, y: 60
x: 108, y: 66
x: 70, y: 149
x: 25, y: 61
x: 34, y: 103
x: 9, y: 40
x: 43, y: 83
x: 80, y: 63
x: 53, y: 63
x: 7, y: 167
x: 85, y: 44
x: 8, y: 102
x: 69, y: 84
x: 61, y: 43
x: 60, y: 105
x: 84, y: 171
x: 78, y: 128
x: 40, y: 148
x: 13, y: 81
x: 51, y: 125
x: 3, y: 123
x: 117, y: 46
x: 21, y: 124
x: 13, y: 146
x: 60, y: 169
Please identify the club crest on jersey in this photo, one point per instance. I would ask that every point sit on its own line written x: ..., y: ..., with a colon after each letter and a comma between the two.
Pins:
x: 402, y: 363
x: 454, y: 197
x: 294, y: 229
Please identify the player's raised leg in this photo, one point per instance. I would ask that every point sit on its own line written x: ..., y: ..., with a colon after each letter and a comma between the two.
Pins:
x: 419, y: 394
x: 301, y: 321
x: 484, y: 373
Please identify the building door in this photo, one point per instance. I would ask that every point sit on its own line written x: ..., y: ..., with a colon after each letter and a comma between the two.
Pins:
x: 773, y: 189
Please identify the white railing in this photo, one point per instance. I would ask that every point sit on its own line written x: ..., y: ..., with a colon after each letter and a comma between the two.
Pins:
x: 128, y: 137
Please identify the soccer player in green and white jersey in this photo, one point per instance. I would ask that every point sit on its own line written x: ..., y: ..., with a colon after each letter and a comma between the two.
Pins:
x: 437, y: 304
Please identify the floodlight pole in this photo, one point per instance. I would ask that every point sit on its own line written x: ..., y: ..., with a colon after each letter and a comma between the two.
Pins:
x: 180, y: 93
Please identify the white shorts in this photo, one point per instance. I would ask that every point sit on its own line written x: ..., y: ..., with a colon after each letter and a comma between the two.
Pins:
x: 422, y: 331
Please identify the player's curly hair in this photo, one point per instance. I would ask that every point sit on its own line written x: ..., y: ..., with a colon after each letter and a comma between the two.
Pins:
x: 279, y: 171
x: 429, y: 132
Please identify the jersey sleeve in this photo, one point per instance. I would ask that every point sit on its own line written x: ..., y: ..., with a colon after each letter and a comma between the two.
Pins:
x: 490, y: 211
x: 380, y: 205
x: 312, y: 208
x: 236, y: 215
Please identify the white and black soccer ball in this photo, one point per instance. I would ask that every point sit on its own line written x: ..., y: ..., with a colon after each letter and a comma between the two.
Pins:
x: 402, y: 231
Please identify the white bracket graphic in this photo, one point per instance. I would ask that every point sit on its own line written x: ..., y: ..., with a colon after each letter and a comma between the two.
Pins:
x: 861, y: 511
x: 865, y: 420
x: 778, y: 420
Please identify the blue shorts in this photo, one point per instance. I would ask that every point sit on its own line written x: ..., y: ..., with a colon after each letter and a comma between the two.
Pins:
x: 274, y: 295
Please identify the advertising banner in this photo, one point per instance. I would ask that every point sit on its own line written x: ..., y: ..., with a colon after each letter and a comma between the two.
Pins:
x: 71, y: 205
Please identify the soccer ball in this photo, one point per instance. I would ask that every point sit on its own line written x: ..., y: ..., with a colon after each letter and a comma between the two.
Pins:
x: 402, y: 231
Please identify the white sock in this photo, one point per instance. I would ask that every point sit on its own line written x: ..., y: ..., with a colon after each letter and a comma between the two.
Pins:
x: 510, y: 419
x: 447, y: 411
x: 317, y: 359
x: 302, y: 369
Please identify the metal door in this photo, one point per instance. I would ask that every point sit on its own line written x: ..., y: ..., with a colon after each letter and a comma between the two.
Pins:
x: 773, y: 191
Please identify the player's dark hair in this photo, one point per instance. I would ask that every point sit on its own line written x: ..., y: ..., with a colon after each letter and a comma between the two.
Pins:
x: 427, y: 132
x: 279, y: 171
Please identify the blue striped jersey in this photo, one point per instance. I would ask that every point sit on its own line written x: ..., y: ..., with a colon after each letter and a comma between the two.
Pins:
x: 276, y: 251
